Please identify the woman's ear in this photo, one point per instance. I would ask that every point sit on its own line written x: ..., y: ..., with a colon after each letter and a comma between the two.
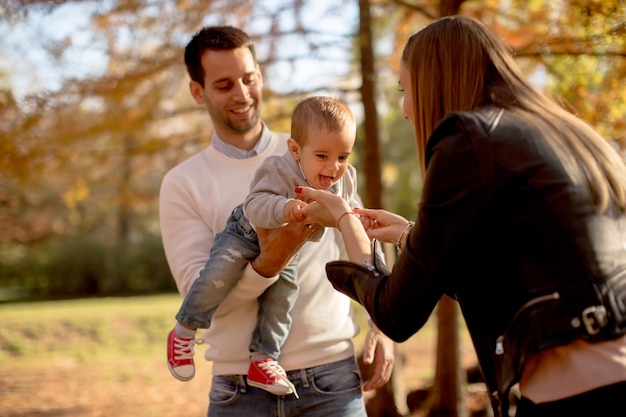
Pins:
x: 294, y: 148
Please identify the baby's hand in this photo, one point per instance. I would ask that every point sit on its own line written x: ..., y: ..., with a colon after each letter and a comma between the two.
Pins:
x: 368, y: 222
x: 293, y: 211
x: 382, y: 225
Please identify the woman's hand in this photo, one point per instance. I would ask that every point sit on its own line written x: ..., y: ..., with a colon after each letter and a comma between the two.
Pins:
x: 324, y: 208
x: 383, y: 225
x: 331, y: 210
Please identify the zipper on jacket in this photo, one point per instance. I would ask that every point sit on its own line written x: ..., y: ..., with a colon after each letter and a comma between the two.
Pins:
x: 548, y: 297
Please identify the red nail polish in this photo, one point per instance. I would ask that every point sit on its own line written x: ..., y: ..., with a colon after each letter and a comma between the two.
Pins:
x: 298, y: 190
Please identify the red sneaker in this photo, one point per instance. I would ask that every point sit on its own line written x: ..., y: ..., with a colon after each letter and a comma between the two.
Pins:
x: 180, y: 356
x: 270, y: 376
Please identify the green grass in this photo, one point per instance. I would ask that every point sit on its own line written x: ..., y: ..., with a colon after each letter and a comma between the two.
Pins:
x: 80, y: 329
x: 107, y: 357
x: 99, y: 330
x: 97, y: 327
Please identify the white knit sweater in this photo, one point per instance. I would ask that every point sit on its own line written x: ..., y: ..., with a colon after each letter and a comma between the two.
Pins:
x: 196, y: 198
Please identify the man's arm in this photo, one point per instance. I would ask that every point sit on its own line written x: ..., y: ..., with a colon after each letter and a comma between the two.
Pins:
x: 275, y: 253
x: 187, y: 239
x: 379, y: 350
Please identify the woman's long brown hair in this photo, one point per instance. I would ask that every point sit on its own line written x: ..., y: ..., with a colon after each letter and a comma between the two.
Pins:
x: 457, y: 64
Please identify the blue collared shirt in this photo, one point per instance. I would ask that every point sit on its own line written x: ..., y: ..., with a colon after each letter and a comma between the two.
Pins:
x: 238, y: 153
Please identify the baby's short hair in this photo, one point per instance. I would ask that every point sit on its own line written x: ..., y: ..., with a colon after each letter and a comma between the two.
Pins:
x: 322, y: 113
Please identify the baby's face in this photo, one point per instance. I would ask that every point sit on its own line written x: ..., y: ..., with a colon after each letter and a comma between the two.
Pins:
x: 324, y: 157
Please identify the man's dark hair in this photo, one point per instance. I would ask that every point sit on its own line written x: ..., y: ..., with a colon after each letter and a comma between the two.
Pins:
x: 215, y: 38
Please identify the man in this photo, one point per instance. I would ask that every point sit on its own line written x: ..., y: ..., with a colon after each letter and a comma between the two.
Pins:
x: 197, y: 198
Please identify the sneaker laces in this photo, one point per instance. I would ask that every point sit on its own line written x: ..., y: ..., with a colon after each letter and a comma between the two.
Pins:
x: 183, y: 348
x: 272, y: 368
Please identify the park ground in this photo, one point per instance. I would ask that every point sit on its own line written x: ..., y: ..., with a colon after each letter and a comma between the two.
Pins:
x: 105, y: 357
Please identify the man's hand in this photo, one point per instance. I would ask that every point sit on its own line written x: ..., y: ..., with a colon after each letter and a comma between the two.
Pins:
x: 378, y: 349
x: 279, y: 245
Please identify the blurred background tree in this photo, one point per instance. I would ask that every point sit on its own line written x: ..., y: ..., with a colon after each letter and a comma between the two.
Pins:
x: 104, y: 111
x: 83, y: 161
x: 94, y: 109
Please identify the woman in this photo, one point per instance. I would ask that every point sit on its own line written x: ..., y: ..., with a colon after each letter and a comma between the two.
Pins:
x: 522, y: 220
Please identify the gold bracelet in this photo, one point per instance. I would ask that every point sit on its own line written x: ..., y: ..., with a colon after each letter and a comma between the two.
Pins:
x: 341, y: 217
x: 406, y: 229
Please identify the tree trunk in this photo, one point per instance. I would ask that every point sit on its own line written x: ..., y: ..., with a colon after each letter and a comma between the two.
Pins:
x: 447, y: 395
x: 371, y: 147
x: 386, y: 401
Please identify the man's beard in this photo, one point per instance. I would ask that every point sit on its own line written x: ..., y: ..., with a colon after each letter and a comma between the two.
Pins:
x: 243, y: 126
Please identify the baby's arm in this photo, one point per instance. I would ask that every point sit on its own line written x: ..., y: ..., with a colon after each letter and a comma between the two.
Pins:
x: 293, y: 210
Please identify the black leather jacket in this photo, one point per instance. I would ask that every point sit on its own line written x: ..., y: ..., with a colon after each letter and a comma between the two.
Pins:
x: 502, y: 229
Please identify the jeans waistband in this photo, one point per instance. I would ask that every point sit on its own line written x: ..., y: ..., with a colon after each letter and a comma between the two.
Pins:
x: 303, y: 374
x: 298, y: 375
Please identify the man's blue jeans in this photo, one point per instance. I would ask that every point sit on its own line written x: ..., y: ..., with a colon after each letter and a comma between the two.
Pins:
x: 331, y: 390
